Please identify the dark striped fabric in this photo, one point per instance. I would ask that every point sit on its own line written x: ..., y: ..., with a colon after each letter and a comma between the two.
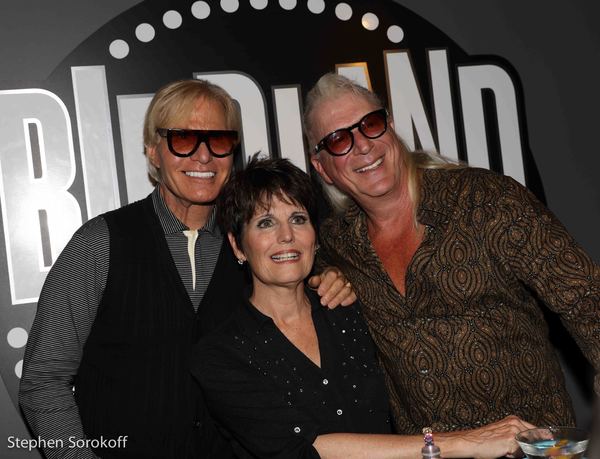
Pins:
x: 67, y: 309
x: 208, y: 246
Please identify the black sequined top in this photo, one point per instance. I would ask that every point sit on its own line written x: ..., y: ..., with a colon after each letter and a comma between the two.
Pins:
x: 274, y: 401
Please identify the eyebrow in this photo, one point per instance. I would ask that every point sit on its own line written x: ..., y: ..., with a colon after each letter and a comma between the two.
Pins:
x: 269, y: 214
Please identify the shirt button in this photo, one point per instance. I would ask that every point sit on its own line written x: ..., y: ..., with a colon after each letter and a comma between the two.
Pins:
x: 297, y: 429
x: 325, y: 382
x: 339, y: 412
x: 197, y: 424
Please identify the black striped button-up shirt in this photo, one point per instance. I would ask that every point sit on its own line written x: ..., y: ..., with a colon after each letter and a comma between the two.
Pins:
x: 67, y: 309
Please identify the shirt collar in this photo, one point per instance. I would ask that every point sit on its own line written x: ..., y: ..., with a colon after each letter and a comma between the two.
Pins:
x: 432, y: 210
x: 171, y: 224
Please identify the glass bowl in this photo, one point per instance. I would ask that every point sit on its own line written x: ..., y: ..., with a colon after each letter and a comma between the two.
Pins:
x: 553, y: 442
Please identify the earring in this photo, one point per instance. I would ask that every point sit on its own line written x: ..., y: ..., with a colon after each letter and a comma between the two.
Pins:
x: 241, y: 261
x: 317, y: 247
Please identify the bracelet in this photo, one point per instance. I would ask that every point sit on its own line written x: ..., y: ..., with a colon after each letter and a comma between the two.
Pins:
x: 428, y: 435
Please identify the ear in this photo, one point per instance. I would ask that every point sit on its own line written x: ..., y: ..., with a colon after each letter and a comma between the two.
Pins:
x: 316, y: 162
x: 236, y: 250
x: 153, y: 156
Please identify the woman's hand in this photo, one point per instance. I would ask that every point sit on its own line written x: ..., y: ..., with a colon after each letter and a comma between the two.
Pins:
x: 490, y: 441
x: 333, y: 288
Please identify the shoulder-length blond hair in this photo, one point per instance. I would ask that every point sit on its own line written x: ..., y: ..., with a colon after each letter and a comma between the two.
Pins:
x: 331, y: 86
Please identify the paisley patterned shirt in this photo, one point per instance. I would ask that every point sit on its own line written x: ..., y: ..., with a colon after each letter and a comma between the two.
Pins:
x: 468, y: 344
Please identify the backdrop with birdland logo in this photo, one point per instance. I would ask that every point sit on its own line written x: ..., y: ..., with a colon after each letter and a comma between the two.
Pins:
x: 71, y: 143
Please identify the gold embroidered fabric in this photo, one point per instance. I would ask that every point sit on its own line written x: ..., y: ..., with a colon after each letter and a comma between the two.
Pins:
x: 468, y: 344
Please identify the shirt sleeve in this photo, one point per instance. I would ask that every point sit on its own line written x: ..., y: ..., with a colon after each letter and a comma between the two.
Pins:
x: 547, y: 259
x: 251, y: 409
x: 65, y: 313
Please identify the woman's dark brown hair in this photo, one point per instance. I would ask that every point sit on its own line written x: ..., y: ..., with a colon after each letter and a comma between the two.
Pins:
x: 254, y: 187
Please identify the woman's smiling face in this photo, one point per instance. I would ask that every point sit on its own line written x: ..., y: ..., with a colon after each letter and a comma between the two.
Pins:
x: 279, y: 243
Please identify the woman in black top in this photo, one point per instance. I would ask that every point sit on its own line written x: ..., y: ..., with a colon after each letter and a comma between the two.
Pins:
x: 285, y: 377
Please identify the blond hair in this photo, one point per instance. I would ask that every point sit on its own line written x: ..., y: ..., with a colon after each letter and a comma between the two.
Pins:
x: 173, y: 104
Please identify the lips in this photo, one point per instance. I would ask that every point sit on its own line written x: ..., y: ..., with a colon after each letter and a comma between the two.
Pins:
x: 369, y: 167
x: 291, y: 255
x: 198, y: 174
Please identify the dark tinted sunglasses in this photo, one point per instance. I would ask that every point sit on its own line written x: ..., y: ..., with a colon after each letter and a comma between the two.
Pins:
x: 185, y: 142
x: 341, y: 141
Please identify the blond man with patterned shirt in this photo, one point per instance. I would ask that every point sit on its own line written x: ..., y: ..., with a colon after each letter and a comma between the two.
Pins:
x: 449, y: 263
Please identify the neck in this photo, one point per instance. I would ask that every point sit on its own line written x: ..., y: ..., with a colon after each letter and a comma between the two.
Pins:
x: 192, y: 215
x: 283, y: 304
x: 394, y: 211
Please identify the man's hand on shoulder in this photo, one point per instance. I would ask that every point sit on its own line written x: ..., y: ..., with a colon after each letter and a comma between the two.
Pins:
x: 333, y: 288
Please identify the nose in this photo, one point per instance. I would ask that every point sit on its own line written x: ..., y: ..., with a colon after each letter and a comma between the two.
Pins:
x: 202, y: 155
x: 362, y: 144
x: 286, y: 233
